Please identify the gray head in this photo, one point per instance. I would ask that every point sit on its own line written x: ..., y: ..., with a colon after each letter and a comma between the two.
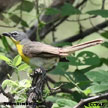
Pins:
x: 16, y: 35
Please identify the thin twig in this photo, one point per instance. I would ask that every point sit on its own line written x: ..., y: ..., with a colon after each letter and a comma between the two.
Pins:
x: 103, y: 4
x: 85, y: 33
x: 81, y: 19
x: 49, y: 27
x: 91, y: 99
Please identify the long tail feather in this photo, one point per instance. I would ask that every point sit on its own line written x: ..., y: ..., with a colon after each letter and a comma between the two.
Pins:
x: 71, y: 49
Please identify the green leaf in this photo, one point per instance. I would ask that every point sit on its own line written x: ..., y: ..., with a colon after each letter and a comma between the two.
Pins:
x: 68, y: 9
x: 66, y: 103
x: 60, y: 68
x: 89, y: 58
x: 15, y: 18
x: 4, y: 58
x: 63, y: 65
x: 99, y: 79
x: 97, y: 76
x: 105, y: 44
x: 74, y: 61
x: 22, y: 67
x: 25, y: 6
x: 58, y: 71
x: 84, y: 58
x: 105, y: 61
x: 105, y: 34
x: 8, y: 82
x: 5, y: 43
x: 25, y: 83
x: 2, y: 50
x: 97, y: 88
x: 103, y: 13
x: 52, y: 11
x: 87, y: 91
x: 52, y: 98
x: 24, y: 23
x: 17, y: 60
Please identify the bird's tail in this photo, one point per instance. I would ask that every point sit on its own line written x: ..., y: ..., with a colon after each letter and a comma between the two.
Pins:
x: 71, y: 49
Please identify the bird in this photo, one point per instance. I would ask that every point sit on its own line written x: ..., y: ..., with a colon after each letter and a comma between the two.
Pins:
x: 38, y: 54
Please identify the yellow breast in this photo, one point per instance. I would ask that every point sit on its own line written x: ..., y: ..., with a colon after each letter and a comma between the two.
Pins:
x: 20, y: 51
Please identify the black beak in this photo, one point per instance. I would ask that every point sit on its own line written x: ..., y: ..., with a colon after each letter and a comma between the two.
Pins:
x: 6, y: 34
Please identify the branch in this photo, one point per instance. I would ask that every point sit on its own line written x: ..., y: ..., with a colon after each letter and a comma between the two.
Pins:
x: 86, y: 32
x: 64, y: 90
x: 5, y: 4
x: 91, y: 99
x: 35, y: 94
x: 52, y: 21
x: 8, y: 95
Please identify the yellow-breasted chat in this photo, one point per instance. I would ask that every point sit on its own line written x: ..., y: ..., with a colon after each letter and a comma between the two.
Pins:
x: 43, y: 55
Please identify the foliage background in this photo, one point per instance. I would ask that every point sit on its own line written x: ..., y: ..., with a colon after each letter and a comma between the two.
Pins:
x: 85, y: 74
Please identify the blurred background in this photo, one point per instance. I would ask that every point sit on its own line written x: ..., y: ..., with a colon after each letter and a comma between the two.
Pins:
x: 59, y: 23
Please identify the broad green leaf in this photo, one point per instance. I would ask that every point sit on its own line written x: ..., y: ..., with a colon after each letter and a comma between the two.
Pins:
x: 97, y: 88
x: 105, y: 44
x: 97, y: 76
x: 66, y: 103
x: 17, y: 60
x: 87, y: 91
x: 52, y: 11
x: 60, y: 68
x: 105, y: 34
x: 89, y: 58
x: 99, y: 79
x: 25, y: 6
x: 24, y: 23
x: 15, y: 18
x: 8, y: 82
x: 4, y: 58
x: 63, y: 65
x: 84, y: 58
x: 68, y: 9
x: 2, y: 50
x: 52, y: 98
x: 22, y: 67
x: 74, y: 61
x: 103, y: 13
x: 58, y: 71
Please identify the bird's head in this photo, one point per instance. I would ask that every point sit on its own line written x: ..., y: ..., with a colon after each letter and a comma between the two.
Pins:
x: 16, y: 36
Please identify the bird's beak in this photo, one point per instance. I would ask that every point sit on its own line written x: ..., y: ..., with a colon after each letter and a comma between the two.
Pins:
x: 10, y: 36
x: 7, y: 34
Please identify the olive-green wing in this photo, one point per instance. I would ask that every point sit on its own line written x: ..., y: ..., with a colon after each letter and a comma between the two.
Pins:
x: 34, y: 49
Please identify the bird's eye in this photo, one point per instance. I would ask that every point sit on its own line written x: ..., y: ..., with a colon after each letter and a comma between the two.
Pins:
x: 14, y: 33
